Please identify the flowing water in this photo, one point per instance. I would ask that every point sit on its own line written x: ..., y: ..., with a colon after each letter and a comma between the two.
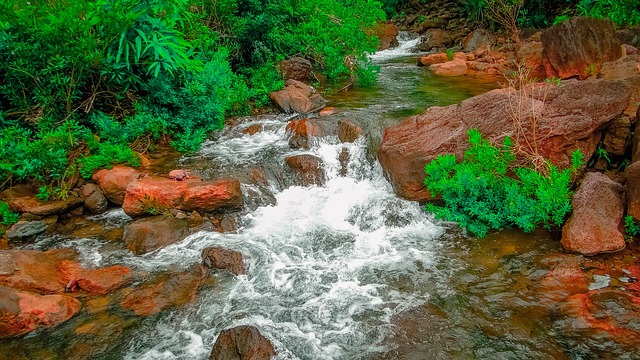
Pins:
x: 346, y: 270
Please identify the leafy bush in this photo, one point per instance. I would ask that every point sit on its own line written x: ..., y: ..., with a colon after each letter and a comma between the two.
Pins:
x: 487, y: 191
x: 621, y: 12
x: 631, y: 228
x: 8, y: 217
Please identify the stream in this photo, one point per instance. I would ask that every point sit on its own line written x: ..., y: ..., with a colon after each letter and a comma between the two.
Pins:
x: 346, y: 270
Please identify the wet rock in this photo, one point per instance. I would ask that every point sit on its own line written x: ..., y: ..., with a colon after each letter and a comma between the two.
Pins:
x: 455, y: 67
x: 632, y: 181
x: 178, y: 175
x: 328, y: 111
x: 167, y: 291
x: 26, y: 230
x: 148, y: 234
x: 242, y: 343
x: 568, y: 117
x: 387, y: 36
x: 308, y: 169
x: 34, y: 206
x: 348, y: 131
x: 297, y: 97
x: 95, y: 281
x: 598, y: 208
x: 573, y: 46
x: 94, y: 199
x: 431, y: 59
x: 114, y: 182
x: 302, y: 132
x: 296, y: 68
x: 478, y: 39
x: 630, y: 50
x: 187, y: 195
x: 343, y: 159
x: 629, y: 36
x: 617, y: 136
x: 225, y: 223
x: 22, y: 312
x: 253, y: 129
x: 33, y: 270
x: 219, y: 258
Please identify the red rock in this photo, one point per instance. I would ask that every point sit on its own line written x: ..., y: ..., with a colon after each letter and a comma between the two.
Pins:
x: 433, y: 59
x: 167, y: 291
x: 95, y: 281
x: 435, y: 38
x: 530, y: 54
x: 302, y: 132
x: 297, y: 97
x: 37, y: 207
x: 328, y: 111
x: 189, y: 195
x: 617, y: 136
x: 219, y: 258
x: 348, y: 131
x: 296, y: 68
x: 598, y: 208
x: 94, y: 199
x: 308, y: 169
x: 630, y: 50
x: 114, y: 182
x: 478, y: 39
x: 455, y: 67
x: 570, y: 47
x: 632, y: 182
x: 242, y: 342
x: 34, y: 270
x: 22, y: 312
x: 570, y: 117
x: 148, y: 234
x: 387, y: 36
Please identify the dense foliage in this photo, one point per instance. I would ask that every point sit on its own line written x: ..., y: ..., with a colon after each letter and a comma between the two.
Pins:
x: 85, y: 84
x: 487, y: 191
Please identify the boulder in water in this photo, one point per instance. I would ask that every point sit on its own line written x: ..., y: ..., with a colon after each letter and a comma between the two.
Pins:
x: 301, y: 133
x: 348, y: 131
x: 152, y: 233
x: 94, y: 199
x: 215, y: 257
x: 114, y: 182
x: 242, y: 343
x: 297, y: 97
x: 307, y: 169
x: 598, y: 208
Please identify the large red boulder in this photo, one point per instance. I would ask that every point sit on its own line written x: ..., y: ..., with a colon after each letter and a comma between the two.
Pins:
x: 22, y: 199
x: 530, y: 54
x: 242, y: 342
x: 387, y: 36
x: 596, y: 223
x: 167, y: 291
x: 579, y: 47
x: 188, y: 195
x: 566, y: 118
x: 95, y: 281
x: 22, y: 312
x: 152, y: 233
x: 94, y: 199
x: 348, y: 132
x: 297, y: 97
x: 114, y: 182
x: 455, y: 67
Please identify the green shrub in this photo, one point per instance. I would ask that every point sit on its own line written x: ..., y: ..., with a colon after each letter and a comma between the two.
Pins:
x: 8, y: 217
x: 621, y: 12
x: 487, y: 191
x: 631, y: 228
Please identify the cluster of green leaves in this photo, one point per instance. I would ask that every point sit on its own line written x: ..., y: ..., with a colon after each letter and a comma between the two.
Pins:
x: 486, y: 190
x: 8, y: 216
x: 622, y: 12
x: 631, y: 227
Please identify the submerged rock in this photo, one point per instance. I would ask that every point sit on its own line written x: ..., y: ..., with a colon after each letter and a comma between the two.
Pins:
x: 567, y: 118
x: 148, y: 234
x: 242, y: 343
x: 22, y: 311
x: 596, y: 223
x: 219, y: 258
x: 167, y: 291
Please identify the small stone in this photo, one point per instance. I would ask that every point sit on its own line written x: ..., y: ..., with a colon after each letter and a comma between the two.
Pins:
x: 26, y: 229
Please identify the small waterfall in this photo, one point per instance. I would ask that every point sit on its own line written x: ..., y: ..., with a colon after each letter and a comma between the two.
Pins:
x: 407, y: 41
